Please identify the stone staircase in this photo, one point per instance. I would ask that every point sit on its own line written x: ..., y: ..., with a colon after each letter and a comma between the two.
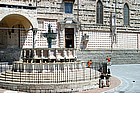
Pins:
x: 74, y: 81
x: 117, y: 56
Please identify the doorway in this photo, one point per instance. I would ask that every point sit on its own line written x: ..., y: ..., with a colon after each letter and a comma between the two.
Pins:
x: 69, y: 37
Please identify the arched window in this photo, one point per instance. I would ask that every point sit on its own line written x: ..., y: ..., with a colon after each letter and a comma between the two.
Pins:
x: 126, y: 14
x: 99, y: 13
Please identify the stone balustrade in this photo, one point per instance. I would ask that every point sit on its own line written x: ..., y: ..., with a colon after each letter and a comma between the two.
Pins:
x: 48, y: 55
x: 47, y: 67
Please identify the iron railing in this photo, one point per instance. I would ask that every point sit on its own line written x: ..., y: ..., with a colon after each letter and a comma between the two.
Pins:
x: 49, y: 72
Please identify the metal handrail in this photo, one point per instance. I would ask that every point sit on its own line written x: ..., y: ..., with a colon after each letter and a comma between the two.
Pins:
x: 54, y: 73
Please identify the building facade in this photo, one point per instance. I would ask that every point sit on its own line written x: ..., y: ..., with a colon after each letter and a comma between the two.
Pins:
x: 80, y: 24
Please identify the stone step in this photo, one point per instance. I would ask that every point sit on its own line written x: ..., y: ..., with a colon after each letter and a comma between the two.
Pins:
x: 42, y: 80
x: 117, y: 57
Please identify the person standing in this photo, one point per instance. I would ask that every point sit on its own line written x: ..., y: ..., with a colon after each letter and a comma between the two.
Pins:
x: 89, y: 63
x: 101, y: 80
x: 107, y: 80
x: 108, y: 72
x: 108, y: 60
x: 108, y: 75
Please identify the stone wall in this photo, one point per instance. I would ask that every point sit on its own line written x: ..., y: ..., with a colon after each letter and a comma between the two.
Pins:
x: 9, y: 54
x: 84, y: 22
x: 50, y: 88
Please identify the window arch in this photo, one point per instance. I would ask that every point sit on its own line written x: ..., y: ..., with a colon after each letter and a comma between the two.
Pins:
x: 126, y: 14
x: 99, y: 12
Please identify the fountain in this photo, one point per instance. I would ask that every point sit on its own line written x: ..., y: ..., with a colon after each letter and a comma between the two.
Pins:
x: 49, y: 70
x: 50, y: 35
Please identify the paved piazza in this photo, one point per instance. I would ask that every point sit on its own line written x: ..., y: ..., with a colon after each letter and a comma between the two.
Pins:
x: 130, y: 78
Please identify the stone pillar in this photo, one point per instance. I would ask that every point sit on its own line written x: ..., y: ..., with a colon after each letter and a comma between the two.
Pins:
x: 34, y: 53
x: 42, y: 54
x: 34, y: 39
x: 61, y: 38
x: 34, y: 36
x: 77, y: 36
x: 21, y: 55
x: 30, y: 51
x: 24, y: 51
x: 54, y: 67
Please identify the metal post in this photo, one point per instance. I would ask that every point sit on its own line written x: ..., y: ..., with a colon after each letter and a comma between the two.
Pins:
x: 84, y: 73
x: 5, y: 71
x: 38, y: 76
x: 76, y: 75
x: 25, y: 75
x: 67, y: 73
x: 20, y: 76
x: 95, y: 70
x: 90, y: 73
x: 12, y: 75
x: 1, y: 68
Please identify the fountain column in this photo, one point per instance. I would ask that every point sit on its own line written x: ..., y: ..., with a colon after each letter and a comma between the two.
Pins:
x: 21, y: 55
x: 34, y: 41
x: 34, y: 53
x: 50, y: 36
x: 42, y: 54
